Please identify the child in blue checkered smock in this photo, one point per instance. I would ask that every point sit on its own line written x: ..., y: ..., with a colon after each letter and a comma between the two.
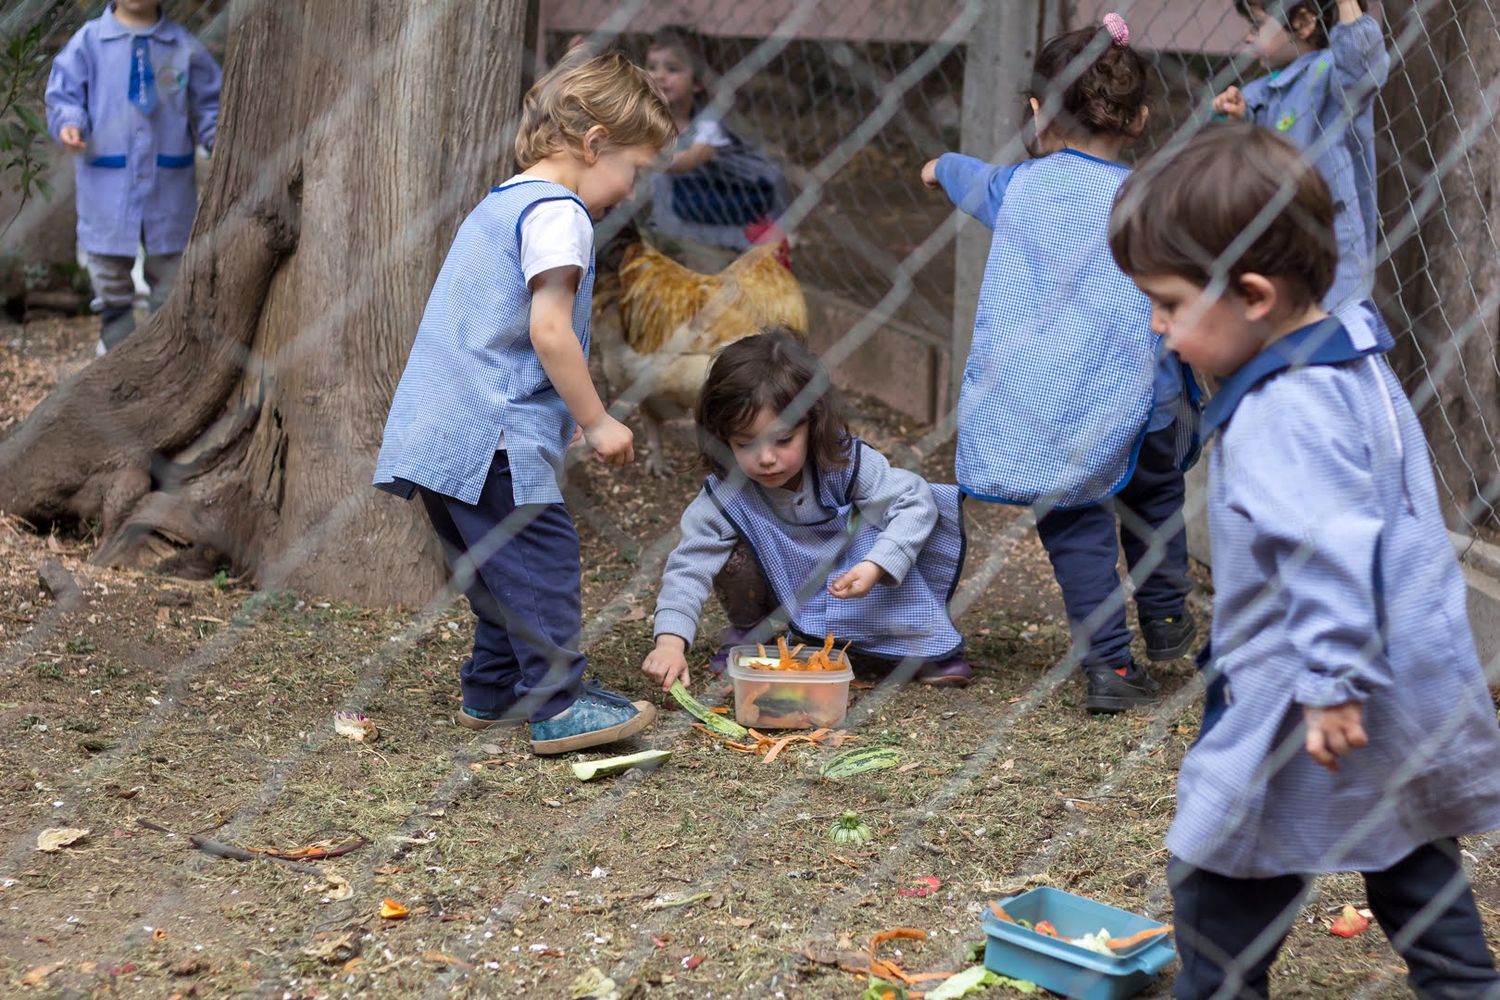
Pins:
x: 1357, y: 730
x: 802, y: 526
x: 1327, y: 63
x: 495, y: 387
x: 1069, y: 402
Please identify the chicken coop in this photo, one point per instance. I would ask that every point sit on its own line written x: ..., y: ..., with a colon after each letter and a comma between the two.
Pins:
x: 851, y: 99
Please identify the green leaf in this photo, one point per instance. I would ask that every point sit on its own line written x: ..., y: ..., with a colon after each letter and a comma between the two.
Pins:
x: 30, y: 118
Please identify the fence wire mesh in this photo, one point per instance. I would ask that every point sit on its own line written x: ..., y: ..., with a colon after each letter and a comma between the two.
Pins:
x: 851, y: 101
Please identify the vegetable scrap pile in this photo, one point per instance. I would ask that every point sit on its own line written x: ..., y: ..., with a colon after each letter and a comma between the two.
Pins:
x: 788, y: 658
x: 770, y: 747
x: 1100, y: 941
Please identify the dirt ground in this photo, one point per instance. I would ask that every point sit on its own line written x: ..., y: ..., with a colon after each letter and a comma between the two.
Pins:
x: 207, y: 706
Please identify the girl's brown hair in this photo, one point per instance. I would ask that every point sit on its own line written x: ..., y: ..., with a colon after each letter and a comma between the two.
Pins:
x: 688, y: 44
x: 1094, y: 85
x: 1324, y: 12
x: 770, y: 370
x: 583, y: 91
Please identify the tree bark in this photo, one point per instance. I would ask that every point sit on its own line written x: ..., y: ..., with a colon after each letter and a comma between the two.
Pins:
x: 241, y: 422
x: 1441, y: 288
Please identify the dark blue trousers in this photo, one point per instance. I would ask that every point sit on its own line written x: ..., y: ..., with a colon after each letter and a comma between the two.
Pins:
x: 1084, y: 545
x: 1230, y: 929
x: 519, y: 567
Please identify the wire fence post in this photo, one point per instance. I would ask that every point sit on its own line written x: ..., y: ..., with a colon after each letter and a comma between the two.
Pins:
x: 996, y: 72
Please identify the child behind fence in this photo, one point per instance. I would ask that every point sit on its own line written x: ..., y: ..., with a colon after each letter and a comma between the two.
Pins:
x: 1359, y: 733
x: 717, y: 188
x: 1327, y: 63
x: 1069, y: 402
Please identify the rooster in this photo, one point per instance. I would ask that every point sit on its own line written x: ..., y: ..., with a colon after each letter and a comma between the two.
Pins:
x: 672, y: 320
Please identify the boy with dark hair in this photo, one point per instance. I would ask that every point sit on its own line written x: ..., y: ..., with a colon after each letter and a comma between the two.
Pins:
x: 1358, y: 732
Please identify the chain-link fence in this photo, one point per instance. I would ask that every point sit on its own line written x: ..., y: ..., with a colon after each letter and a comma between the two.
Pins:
x: 851, y: 102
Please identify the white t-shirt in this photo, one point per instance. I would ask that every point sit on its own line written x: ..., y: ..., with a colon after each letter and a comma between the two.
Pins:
x: 708, y: 132
x: 555, y: 233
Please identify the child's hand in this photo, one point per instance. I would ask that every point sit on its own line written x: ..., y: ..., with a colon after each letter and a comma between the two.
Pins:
x: 929, y: 174
x: 611, y: 440
x: 667, y: 663
x: 1231, y: 104
x: 1334, y: 731
x: 857, y: 582
x: 71, y: 136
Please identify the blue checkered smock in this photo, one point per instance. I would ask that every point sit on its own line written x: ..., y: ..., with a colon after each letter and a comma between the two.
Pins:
x: 1057, y: 390
x: 909, y: 619
x: 473, y: 374
x: 1334, y: 581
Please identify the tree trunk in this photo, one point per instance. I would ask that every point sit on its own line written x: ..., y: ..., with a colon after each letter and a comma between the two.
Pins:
x: 1442, y: 285
x: 241, y: 422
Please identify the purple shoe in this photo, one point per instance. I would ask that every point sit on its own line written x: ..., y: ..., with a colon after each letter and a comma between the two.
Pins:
x: 729, y: 637
x: 952, y: 672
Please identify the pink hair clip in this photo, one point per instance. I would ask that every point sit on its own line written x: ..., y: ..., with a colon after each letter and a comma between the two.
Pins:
x: 1115, y: 25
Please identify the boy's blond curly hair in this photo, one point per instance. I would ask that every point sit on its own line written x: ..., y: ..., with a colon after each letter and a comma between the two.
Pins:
x: 583, y: 91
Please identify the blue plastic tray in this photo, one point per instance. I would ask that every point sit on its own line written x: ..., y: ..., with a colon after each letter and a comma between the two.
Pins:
x: 1066, y: 968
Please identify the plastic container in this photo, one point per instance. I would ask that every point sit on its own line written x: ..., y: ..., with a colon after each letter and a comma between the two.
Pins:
x: 1067, y: 968
x: 787, y: 699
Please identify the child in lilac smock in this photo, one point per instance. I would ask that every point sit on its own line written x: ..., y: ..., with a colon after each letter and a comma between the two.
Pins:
x: 134, y: 95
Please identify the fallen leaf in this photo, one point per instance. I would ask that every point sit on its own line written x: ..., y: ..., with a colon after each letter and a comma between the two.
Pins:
x: 1008, y: 764
x: 188, y: 967
x: 55, y: 838
x: 691, y: 962
x: 925, y: 885
x: 392, y: 910
x: 332, y: 946
x: 634, y: 615
x: 442, y: 959
x: 159, y: 934
x: 742, y: 921
x: 1350, y: 923
x: 38, y: 976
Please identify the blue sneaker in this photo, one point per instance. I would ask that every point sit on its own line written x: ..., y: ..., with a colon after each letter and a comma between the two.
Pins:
x: 597, y: 717
x: 468, y: 718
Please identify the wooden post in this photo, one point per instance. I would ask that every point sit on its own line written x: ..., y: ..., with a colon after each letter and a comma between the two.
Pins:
x: 997, y: 71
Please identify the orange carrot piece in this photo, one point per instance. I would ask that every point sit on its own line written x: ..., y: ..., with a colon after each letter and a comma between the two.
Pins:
x: 1000, y: 914
x: 1119, y: 944
x: 777, y: 747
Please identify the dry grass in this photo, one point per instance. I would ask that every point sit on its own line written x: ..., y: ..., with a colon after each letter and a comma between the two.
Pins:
x: 206, y: 704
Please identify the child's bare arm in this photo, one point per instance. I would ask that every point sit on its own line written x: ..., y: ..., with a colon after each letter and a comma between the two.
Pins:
x: 691, y: 158
x: 1349, y: 11
x: 561, y: 355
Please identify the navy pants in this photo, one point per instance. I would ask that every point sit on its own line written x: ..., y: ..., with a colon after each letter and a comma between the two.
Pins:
x: 1084, y: 546
x: 519, y: 567
x: 1230, y: 929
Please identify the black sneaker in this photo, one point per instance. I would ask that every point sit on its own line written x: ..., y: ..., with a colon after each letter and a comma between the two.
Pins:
x: 1118, y: 689
x: 1170, y: 637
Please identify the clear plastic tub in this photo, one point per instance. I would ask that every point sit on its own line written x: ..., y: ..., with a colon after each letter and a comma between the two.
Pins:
x: 787, y: 699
